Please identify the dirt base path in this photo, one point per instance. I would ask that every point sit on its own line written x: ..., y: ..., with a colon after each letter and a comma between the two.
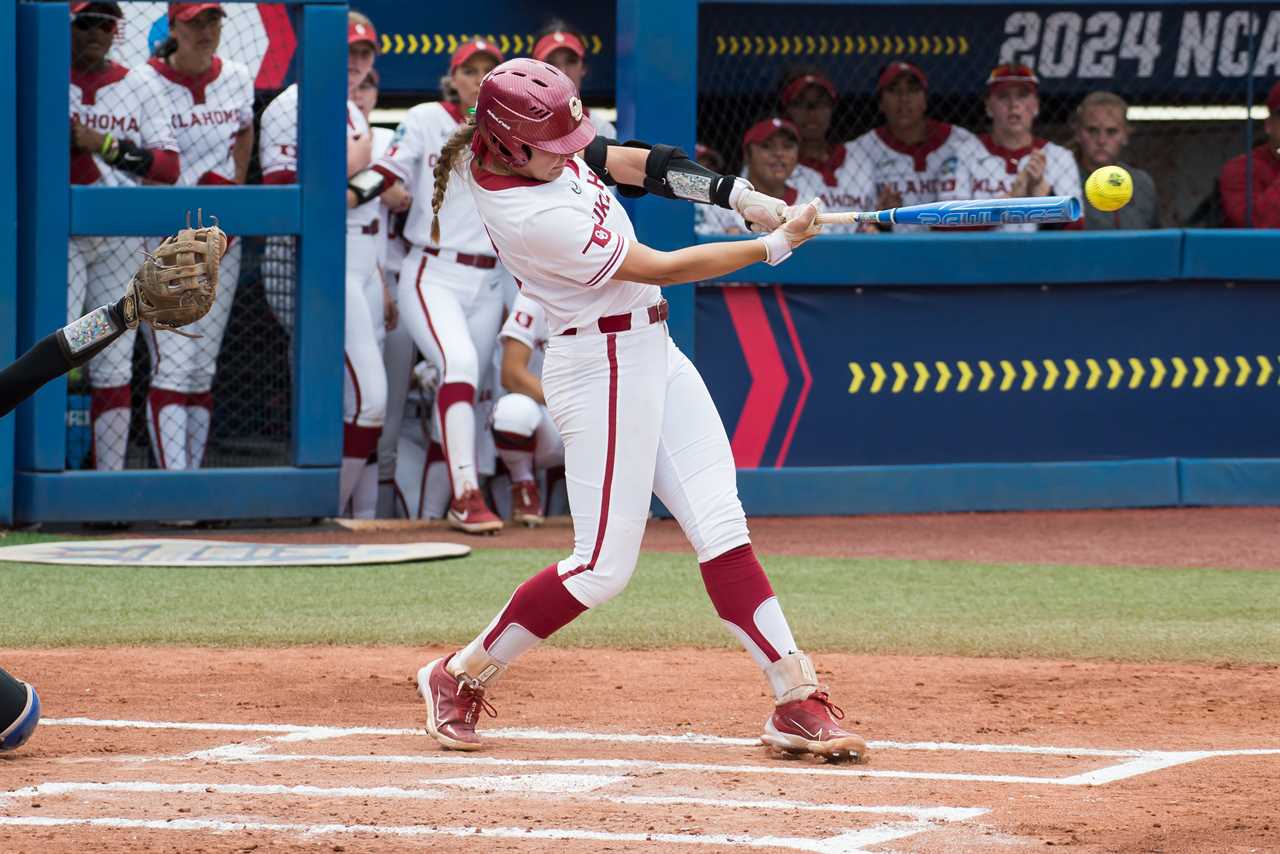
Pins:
x: 320, y: 749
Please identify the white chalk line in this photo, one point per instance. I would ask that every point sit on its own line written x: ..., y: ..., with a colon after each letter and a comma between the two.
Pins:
x: 568, y: 787
x: 304, y: 732
x: 844, y: 844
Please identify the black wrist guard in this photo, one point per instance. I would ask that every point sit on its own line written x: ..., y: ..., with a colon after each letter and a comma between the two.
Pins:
x: 367, y: 184
x: 128, y: 156
x: 670, y: 173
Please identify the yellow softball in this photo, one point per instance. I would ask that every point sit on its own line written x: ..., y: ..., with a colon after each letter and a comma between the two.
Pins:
x: 1109, y: 188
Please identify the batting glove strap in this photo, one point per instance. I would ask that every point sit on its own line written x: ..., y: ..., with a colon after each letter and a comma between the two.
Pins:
x: 776, y: 246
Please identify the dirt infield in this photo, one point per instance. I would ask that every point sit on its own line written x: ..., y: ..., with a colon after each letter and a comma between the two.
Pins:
x: 320, y: 749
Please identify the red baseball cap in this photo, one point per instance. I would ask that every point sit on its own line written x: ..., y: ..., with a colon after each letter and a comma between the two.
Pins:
x: 187, y: 11
x: 896, y: 69
x: 359, y: 31
x: 1012, y: 73
x: 765, y: 128
x: 110, y: 9
x: 552, y: 42
x: 470, y: 48
x: 1273, y: 100
x: 795, y: 87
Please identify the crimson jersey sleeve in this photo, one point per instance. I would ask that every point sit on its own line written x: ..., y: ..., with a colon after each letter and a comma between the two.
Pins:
x: 567, y: 244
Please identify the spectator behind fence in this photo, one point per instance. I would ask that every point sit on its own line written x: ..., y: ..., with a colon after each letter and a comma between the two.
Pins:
x: 771, y: 149
x: 210, y: 105
x: 911, y: 159
x: 566, y: 48
x: 1102, y: 132
x: 1011, y: 161
x: 120, y: 137
x: 808, y: 99
x: 1235, y: 184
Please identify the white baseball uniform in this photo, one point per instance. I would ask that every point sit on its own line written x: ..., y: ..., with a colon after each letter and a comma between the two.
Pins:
x: 987, y: 170
x: 392, y: 250
x: 450, y: 295
x: 278, y: 157
x: 126, y: 105
x: 921, y: 173
x: 838, y: 182
x: 206, y: 113
x: 634, y: 414
x: 523, y: 431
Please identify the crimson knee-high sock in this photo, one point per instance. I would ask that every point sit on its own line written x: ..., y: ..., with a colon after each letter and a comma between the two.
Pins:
x: 540, y: 607
x: 744, y: 599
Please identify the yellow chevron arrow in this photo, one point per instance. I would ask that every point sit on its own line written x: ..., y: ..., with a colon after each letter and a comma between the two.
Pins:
x: 944, y: 376
x: 386, y: 43
x: 504, y: 44
x: 911, y: 44
x: 1179, y: 371
x: 822, y: 45
x: 848, y: 45
x: 1094, y: 372
x: 1264, y: 370
x: 1137, y: 372
x: 1010, y: 372
x: 987, y: 375
x: 887, y: 43
x: 809, y: 43
x: 773, y: 45
x: 759, y: 44
x: 1073, y: 374
x: 1029, y: 381
x: 720, y: 45
x: 785, y: 45
x: 1202, y: 371
x: 1050, y: 374
x: 733, y: 45
x: 595, y: 44
x: 964, y: 45
x: 900, y: 377
x: 951, y: 45
x: 797, y: 44
x: 924, y: 45
x: 922, y: 377
x: 1224, y: 370
x: 878, y: 373
x: 862, y: 45
x: 437, y: 43
x: 517, y: 43
x: 399, y: 43
x: 875, y: 44
x: 858, y: 376
x: 966, y: 374
x: 1157, y: 372
x: 453, y: 43
x: 898, y: 45
x: 937, y: 45
x: 1245, y: 370
x: 1117, y: 371
x: 413, y: 43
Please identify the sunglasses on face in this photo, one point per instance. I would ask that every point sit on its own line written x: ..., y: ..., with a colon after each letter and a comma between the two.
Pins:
x: 84, y: 23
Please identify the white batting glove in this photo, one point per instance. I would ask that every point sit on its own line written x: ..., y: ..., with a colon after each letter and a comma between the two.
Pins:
x: 762, y: 213
x: 780, y: 242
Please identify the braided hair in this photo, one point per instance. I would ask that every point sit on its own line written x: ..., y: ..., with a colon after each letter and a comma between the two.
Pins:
x: 460, y: 140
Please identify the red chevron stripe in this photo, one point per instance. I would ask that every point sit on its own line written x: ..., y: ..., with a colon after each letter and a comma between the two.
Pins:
x: 804, y: 371
x: 768, y: 375
x: 281, y: 43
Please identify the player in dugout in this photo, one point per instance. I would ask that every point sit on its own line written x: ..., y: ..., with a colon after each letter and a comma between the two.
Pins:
x: 1102, y: 132
x: 1234, y: 183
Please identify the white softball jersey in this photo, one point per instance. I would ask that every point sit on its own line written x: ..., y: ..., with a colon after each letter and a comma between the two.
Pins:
x: 278, y: 138
x: 987, y: 170
x: 412, y: 158
x: 527, y: 323
x: 206, y: 113
x: 603, y: 126
x: 839, y: 183
x: 920, y: 173
x: 391, y: 256
x: 563, y: 240
x: 128, y: 106
x: 361, y: 216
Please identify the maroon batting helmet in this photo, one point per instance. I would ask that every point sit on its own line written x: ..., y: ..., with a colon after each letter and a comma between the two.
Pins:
x: 524, y: 103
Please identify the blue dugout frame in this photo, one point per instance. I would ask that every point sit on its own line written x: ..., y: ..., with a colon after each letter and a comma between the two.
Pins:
x: 42, y: 490
x: 8, y: 250
x: 657, y: 91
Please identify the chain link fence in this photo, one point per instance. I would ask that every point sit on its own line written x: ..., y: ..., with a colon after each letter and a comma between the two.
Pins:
x: 172, y: 95
x: 867, y: 128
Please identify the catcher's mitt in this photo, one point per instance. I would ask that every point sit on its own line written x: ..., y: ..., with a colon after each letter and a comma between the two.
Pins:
x: 177, y: 282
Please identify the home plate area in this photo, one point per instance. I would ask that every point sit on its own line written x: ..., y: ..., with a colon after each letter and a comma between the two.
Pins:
x: 383, y: 789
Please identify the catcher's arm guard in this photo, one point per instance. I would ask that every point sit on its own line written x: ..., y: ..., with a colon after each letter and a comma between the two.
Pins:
x: 176, y: 284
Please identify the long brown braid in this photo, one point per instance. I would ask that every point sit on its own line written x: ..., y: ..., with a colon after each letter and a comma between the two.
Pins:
x: 461, y: 139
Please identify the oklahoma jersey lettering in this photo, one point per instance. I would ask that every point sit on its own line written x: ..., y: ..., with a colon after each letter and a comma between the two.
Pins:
x: 920, y: 173
x: 412, y: 158
x: 527, y: 323
x: 206, y: 113
x: 987, y: 171
x: 838, y: 182
x: 563, y: 240
x: 127, y: 106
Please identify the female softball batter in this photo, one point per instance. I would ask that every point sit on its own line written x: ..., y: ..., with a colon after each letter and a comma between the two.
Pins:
x: 210, y: 104
x: 450, y: 294
x: 634, y: 414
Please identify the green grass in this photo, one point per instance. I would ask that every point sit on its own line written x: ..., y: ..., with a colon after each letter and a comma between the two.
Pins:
x: 871, y: 606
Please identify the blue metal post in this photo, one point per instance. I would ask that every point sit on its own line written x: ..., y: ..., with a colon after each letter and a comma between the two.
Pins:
x: 8, y: 247
x: 44, y: 138
x: 657, y: 102
x: 317, y: 391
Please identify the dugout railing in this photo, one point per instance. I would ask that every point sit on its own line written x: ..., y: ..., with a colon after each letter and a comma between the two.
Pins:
x: 43, y: 489
x: 1145, y: 304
